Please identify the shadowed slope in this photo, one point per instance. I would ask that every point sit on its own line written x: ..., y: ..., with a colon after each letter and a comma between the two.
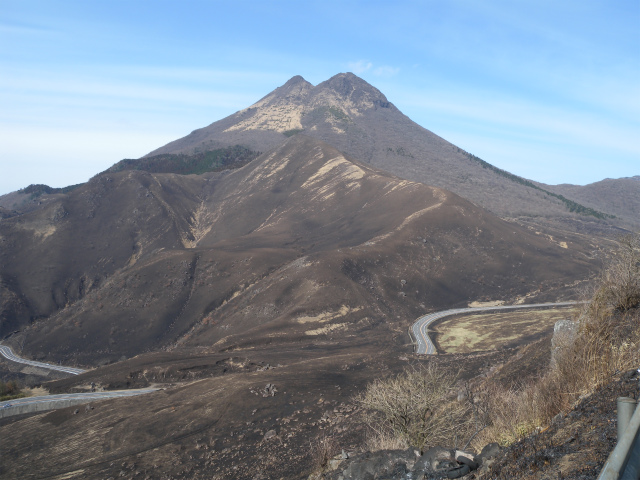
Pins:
x: 301, y: 245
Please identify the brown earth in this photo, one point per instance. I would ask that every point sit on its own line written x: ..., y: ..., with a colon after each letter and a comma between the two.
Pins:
x: 302, y: 246
x: 216, y: 420
x: 214, y: 417
x: 303, y: 269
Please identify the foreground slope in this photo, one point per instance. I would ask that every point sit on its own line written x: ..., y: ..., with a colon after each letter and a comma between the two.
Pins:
x: 355, y: 117
x: 301, y: 245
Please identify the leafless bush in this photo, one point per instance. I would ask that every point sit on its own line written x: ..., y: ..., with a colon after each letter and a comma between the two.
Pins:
x: 416, y: 408
x: 608, y: 339
x: 323, y: 449
x: 619, y: 285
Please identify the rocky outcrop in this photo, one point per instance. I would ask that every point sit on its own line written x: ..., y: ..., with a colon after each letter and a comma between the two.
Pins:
x: 564, y: 333
x: 435, y: 463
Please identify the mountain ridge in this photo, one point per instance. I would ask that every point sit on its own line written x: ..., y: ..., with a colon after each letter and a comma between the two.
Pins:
x: 237, y: 257
x: 355, y: 117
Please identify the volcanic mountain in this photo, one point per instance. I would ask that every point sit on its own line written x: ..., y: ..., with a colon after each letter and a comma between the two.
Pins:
x: 300, y: 245
x: 357, y: 119
x: 300, y: 268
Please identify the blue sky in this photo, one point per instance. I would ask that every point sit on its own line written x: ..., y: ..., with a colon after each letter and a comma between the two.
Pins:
x: 544, y: 89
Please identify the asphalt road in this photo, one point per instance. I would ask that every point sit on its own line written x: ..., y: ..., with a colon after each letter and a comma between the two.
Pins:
x: 7, y: 353
x: 48, y: 402
x: 89, y: 396
x: 424, y: 345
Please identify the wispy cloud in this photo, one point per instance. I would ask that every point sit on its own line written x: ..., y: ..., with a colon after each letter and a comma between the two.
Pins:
x: 362, y: 66
x: 524, y: 119
x: 24, y: 29
x: 385, y: 71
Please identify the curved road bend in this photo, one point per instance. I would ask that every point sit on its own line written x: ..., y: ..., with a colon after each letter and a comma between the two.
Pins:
x: 7, y: 353
x: 424, y: 344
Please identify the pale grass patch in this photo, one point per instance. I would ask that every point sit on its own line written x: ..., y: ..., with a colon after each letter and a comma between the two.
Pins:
x: 328, y: 316
x: 327, y: 329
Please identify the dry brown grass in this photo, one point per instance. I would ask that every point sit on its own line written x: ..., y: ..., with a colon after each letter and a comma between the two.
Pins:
x: 384, y: 440
x: 493, y: 330
x: 418, y: 408
x: 607, y: 342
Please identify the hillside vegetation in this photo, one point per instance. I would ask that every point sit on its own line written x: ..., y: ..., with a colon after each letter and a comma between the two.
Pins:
x: 570, y: 205
x: 425, y: 407
x: 607, y: 342
x: 186, y: 164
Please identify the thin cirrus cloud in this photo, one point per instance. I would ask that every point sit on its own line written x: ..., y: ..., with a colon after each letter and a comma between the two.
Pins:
x: 60, y: 84
x: 362, y: 66
x: 525, y: 119
x: 25, y: 29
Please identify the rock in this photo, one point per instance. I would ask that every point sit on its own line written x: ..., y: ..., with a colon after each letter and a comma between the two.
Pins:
x: 385, y: 464
x: 466, y: 458
x: 436, y: 458
x: 269, y: 390
x: 564, y: 333
x: 269, y: 434
x: 489, y: 452
x: 435, y: 464
x: 457, y: 472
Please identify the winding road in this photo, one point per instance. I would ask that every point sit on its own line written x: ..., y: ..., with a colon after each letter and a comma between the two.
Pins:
x: 424, y: 345
x: 7, y: 353
x: 50, y: 402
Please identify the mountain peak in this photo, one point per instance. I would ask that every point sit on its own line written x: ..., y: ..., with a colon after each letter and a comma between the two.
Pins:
x: 348, y: 77
x: 296, y: 80
x: 297, y: 83
x: 296, y: 87
x: 350, y: 87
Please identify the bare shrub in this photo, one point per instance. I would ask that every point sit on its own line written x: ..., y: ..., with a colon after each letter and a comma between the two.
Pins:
x: 619, y: 285
x: 415, y: 408
x: 323, y: 449
x: 10, y: 390
x: 608, y: 339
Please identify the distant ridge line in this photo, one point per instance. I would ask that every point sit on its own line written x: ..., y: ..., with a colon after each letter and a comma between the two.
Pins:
x: 572, y: 206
